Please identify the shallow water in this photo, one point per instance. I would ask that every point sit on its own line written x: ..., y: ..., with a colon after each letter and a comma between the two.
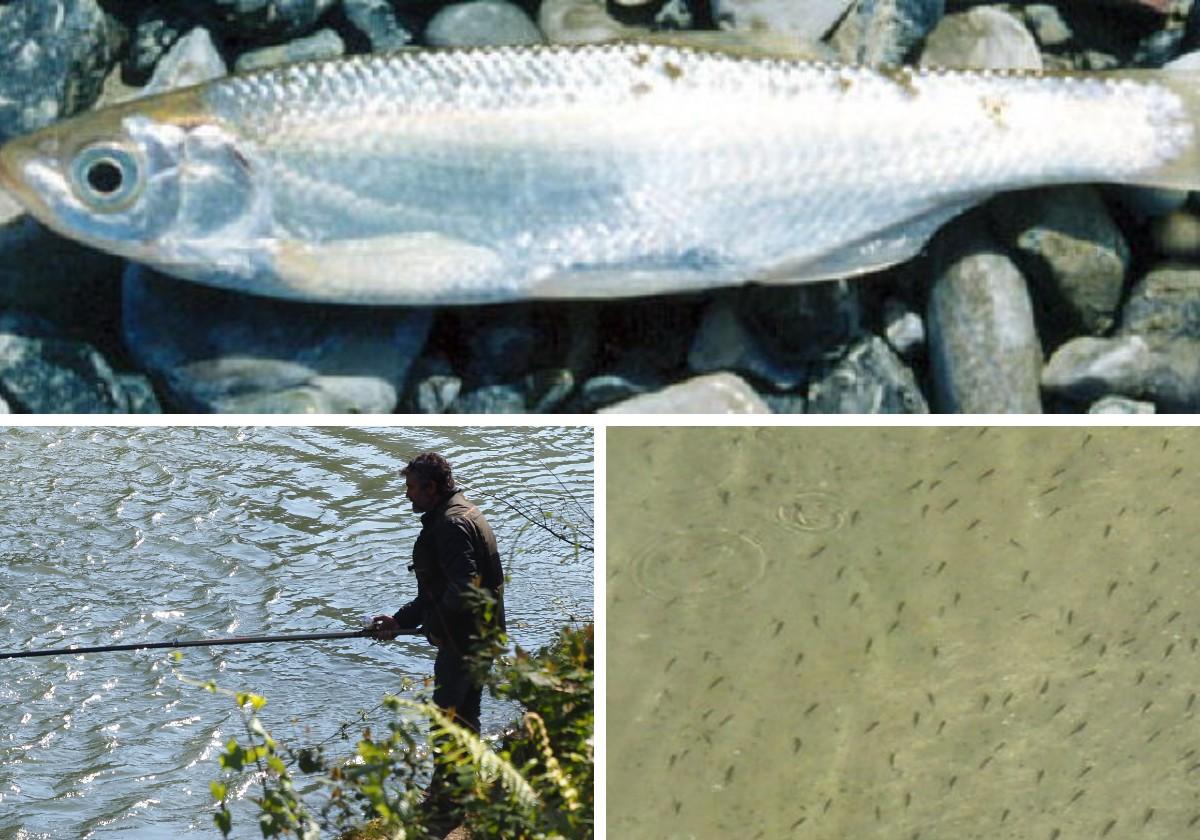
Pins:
x: 111, y: 535
x: 922, y: 634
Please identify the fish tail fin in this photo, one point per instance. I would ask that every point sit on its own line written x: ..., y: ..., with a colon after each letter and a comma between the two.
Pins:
x: 1181, y: 132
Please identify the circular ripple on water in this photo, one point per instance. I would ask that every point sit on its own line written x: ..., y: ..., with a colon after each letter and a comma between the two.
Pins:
x: 813, y: 511
x: 701, y: 563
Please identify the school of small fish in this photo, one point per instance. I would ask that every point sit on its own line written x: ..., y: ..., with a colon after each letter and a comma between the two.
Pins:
x: 511, y: 173
x: 997, y: 639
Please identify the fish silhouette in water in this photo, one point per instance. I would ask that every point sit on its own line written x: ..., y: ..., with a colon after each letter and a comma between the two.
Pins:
x: 512, y: 173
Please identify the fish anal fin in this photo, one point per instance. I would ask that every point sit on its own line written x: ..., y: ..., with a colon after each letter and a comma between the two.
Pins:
x: 891, y: 246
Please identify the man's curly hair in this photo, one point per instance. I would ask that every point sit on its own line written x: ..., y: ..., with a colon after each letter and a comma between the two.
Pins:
x: 430, y: 466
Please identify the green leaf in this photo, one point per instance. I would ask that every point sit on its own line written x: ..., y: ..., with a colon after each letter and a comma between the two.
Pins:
x: 245, y: 698
x: 224, y: 821
x: 218, y: 791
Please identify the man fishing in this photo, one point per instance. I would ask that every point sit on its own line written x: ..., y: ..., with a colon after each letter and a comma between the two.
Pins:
x: 454, y: 553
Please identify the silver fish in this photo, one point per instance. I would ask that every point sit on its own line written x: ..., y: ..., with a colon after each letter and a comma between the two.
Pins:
x: 497, y: 174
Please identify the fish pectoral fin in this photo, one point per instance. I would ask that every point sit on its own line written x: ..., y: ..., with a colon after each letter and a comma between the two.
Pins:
x: 743, y: 43
x: 405, y: 269
x: 891, y: 246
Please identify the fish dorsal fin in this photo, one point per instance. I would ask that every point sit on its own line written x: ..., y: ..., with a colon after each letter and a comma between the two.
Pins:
x: 743, y: 43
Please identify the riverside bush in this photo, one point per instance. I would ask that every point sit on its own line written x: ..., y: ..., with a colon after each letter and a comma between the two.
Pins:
x: 535, y: 784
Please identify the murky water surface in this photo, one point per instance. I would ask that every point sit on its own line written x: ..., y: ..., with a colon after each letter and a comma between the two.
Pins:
x: 913, y: 634
x: 111, y: 535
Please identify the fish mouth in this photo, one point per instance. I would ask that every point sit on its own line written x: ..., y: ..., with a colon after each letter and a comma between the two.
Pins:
x: 8, y: 168
x: 15, y: 155
x: 18, y: 159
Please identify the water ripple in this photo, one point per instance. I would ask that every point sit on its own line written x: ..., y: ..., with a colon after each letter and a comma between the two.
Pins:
x: 120, y: 534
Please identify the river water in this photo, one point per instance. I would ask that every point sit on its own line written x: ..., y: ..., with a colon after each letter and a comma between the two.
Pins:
x: 903, y: 634
x: 112, y: 535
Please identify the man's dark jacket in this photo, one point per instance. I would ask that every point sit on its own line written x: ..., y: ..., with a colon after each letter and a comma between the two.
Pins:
x: 455, y: 550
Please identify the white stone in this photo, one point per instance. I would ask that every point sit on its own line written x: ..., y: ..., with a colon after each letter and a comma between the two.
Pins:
x: 983, y: 38
x: 715, y: 393
x: 810, y: 19
x: 481, y: 23
x: 580, y: 22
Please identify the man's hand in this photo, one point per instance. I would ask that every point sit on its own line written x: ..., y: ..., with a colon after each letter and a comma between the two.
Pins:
x: 385, y: 628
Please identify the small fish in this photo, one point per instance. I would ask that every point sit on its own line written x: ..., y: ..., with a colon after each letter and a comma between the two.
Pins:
x: 509, y: 173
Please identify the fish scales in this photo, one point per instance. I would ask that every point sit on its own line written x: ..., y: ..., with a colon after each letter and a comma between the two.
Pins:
x: 495, y: 174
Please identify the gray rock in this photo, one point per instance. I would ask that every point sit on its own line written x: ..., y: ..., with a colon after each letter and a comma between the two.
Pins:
x: 194, y: 59
x: 434, y: 385
x: 714, y: 393
x: 44, y: 274
x: 581, y: 22
x: 258, y: 386
x: 1076, y: 257
x: 1098, y: 61
x: 436, y: 394
x: 805, y: 322
x: 1164, y: 304
x: 870, y: 379
x: 57, y: 54
x: 675, y: 14
x: 264, y: 18
x: 157, y: 29
x: 723, y: 342
x: 42, y: 371
x: 636, y: 12
x: 140, y: 397
x: 607, y: 389
x: 1120, y: 405
x: 885, y: 31
x: 1189, y: 60
x: 480, y: 23
x: 983, y: 349
x: 981, y: 38
x: 644, y: 340
x: 1086, y: 369
x: 904, y: 329
x: 377, y: 20
x: 1177, y: 235
x: 811, y: 20
x: 500, y: 341
x: 1147, y: 202
x: 1047, y: 25
x: 492, y: 399
x: 214, y: 349
x: 774, y: 333
x: 322, y: 44
x: 791, y: 403
x: 547, y: 390
x: 1158, y: 48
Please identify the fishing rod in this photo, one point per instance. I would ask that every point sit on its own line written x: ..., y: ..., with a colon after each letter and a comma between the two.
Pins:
x: 365, y: 633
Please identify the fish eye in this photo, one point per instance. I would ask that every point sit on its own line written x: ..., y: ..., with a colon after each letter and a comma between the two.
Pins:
x: 106, y: 176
